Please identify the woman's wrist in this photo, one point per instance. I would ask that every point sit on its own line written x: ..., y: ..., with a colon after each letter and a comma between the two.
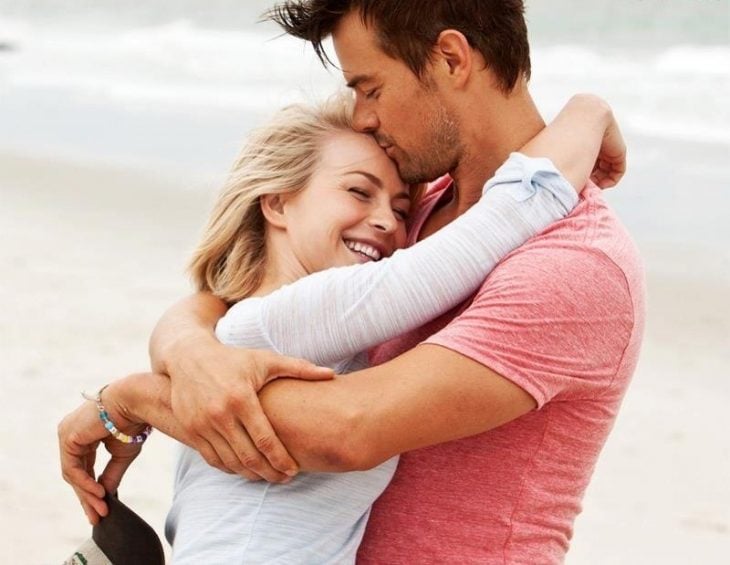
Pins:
x: 119, y: 400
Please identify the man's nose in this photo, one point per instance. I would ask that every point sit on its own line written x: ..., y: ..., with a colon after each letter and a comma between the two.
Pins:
x: 364, y: 119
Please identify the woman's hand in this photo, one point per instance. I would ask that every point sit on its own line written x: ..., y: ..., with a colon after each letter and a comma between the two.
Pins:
x: 583, y: 141
x: 611, y: 163
x: 79, y: 435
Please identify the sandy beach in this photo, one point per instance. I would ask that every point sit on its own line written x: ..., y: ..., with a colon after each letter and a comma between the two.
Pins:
x: 92, y: 255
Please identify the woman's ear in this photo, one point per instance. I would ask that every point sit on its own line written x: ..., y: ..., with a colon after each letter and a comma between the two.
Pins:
x: 272, y: 206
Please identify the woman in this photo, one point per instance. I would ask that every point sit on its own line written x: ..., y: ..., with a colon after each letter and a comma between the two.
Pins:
x: 308, y: 194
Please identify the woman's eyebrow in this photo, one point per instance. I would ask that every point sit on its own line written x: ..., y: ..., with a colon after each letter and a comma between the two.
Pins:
x: 370, y: 176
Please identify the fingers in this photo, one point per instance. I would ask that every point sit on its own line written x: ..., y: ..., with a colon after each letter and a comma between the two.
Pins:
x: 78, y: 439
x: 211, y: 456
x: 242, y: 437
x: 75, y: 471
x: 272, y: 450
x: 225, y: 445
x: 261, y: 436
x: 281, y: 366
x: 226, y: 458
x: 235, y: 446
x: 251, y: 462
x: 88, y: 491
x: 606, y: 174
x: 227, y: 424
x: 78, y: 478
x: 114, y: 471
x: 95, y: 508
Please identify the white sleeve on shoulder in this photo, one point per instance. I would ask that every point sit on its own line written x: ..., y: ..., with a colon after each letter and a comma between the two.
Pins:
x: 334, y: 314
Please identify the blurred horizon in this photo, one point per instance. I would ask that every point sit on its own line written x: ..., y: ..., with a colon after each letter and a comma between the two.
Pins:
x: 611, y: 22
x: 172, y: 87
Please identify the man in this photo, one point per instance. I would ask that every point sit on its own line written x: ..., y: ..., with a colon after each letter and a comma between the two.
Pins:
x: 509, y: 397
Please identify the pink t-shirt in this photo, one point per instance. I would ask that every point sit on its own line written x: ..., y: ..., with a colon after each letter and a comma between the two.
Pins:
x: 562, y: 317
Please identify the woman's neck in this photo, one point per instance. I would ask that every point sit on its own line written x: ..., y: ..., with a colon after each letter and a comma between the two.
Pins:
x: 268, y: 286
x: 280, y: 268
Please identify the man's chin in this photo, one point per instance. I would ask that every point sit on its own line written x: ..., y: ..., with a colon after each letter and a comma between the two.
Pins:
x: 417, y: 177
x: 411, y: 173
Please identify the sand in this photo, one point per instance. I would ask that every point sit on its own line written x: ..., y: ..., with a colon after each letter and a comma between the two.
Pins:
x: 90, y: 258
x: 92, y: 255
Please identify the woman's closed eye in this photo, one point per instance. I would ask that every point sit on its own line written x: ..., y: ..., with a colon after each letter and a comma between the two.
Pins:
x: 361, y: 193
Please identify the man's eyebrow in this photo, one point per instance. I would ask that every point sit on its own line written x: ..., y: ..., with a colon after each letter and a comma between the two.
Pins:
x: 356, y: 80
x: 379, y: 183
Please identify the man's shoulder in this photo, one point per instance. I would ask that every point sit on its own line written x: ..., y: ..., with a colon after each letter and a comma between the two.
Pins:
x: 586, y: 260
x: 591, y: 236
x: 568, y: 303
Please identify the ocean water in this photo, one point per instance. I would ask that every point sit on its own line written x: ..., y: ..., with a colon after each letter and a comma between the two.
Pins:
x: 664, y: 66
x: 174, y: 85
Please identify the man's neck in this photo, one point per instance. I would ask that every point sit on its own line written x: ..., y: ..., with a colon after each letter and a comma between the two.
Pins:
x: 495, y: 128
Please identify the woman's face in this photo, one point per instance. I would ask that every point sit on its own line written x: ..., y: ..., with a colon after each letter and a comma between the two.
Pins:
x: 352, y: 211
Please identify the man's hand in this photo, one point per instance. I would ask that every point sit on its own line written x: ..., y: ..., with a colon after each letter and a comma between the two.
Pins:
x: 214, y: 390
x: 79, y: 435
x: 215, y: 398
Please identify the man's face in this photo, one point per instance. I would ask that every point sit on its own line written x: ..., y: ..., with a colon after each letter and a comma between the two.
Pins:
x: 406, y: 116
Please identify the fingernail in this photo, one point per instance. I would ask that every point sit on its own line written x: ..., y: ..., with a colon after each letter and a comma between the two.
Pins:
x: 291, y: 472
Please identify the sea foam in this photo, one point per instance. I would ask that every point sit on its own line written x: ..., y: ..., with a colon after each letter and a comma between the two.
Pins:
x: 676, y: 92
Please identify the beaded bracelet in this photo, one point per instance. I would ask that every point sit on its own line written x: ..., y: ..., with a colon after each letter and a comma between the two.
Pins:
x: 109, y: 425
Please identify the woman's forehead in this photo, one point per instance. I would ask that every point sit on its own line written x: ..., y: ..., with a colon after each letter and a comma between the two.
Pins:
x: 345, y: 150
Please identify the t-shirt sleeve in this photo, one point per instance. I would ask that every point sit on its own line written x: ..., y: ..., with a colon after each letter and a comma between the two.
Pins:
x: 556, y: 321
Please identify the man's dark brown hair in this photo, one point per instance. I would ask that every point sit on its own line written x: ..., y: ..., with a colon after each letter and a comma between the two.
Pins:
x: 408, y: 29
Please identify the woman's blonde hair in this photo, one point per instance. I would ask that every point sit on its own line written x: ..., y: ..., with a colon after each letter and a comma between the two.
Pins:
x: 279, y: 158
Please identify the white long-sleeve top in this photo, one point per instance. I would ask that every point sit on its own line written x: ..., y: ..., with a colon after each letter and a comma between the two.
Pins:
x: 330, y: 318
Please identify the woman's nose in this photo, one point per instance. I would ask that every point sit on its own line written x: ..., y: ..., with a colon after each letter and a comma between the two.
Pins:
x: 383, y: 219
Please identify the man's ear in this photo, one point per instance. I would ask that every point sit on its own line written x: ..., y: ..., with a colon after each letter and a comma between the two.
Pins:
x: 272, y: 206
x: 454, y: 50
